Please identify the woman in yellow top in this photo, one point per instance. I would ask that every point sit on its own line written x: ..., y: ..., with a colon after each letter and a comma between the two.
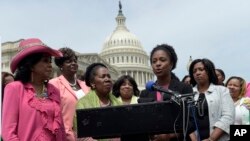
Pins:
x: 126, y: 90
x: 98, y: 78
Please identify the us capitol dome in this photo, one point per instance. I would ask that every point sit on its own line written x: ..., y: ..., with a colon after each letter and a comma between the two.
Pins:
x: 124, y: 51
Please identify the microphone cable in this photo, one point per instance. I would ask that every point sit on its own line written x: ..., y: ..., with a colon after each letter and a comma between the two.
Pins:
x: 190, y: 104
x: 184, y: 119
x: 195, y: 122
x: 175, y: 124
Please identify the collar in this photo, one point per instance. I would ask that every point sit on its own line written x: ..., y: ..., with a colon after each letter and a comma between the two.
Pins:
x: 210, y: 89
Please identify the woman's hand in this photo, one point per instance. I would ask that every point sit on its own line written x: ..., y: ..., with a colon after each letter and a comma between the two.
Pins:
x: 161, y: 137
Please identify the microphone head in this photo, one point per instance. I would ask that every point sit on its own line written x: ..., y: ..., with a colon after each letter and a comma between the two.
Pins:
x: 150, y: 85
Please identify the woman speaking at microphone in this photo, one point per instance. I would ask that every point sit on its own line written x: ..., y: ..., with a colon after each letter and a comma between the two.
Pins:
x: 163, y: 60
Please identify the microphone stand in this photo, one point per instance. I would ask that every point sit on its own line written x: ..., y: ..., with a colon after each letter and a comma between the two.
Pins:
x: 183, y: 100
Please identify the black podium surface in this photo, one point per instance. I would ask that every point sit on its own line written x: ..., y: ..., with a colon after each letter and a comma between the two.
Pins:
x: 148, y: 118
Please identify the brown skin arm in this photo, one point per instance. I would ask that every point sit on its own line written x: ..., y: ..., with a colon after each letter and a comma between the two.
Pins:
x: 164, y: 137
x: 193, y: 137
x: 161, y: 137
x: 215, y: 135
x: 167, y: 137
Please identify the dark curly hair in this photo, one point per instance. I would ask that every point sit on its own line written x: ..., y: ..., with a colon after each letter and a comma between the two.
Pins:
x: 120, y: 81
x: 24, y: 67
x: 4, y: 75
x: 209, y: 68
x: 169, y: 50
x: 91, y: 73
x: 68, y: 53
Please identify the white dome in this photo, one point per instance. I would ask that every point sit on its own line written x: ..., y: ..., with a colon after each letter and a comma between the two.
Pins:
x: 123, y: 50
x: 121, y: 38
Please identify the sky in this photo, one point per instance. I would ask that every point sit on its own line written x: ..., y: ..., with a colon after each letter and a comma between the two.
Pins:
x: 215, y: 29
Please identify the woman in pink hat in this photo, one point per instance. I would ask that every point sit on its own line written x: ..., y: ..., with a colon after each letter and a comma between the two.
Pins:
x: 31, y: 107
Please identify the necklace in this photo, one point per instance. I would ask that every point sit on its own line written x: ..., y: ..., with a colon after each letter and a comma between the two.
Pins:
x: 73, y: 85
x: 43, y: 93
x: 74, y: 88
x: 200, y: 106
x: 105, y: 105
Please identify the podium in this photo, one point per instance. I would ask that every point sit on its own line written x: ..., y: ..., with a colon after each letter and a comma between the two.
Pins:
x: 143, y: 118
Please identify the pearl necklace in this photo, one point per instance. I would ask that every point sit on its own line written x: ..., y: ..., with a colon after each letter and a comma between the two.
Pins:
x: 73, y: 85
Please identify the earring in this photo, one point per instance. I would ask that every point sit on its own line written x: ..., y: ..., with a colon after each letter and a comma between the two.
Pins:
x: 61, y: 69
x: 93, y: 86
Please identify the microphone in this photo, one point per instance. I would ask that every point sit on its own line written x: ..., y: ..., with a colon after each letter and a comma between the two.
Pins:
x: 169, y: 94
x: 151, y: 86
x: 166, y: 93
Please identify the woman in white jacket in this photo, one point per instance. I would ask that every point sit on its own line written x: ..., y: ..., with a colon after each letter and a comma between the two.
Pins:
x: 237, y: 89
x: 215, y: 107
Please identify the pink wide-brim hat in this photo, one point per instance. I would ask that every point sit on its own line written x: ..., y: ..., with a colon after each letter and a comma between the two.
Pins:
x: 28, y: 47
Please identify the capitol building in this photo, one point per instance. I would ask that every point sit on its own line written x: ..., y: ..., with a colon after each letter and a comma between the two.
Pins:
x: 122, y: 53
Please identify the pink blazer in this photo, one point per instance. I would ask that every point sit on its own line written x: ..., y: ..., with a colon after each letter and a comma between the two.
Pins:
x: 68, y: 102
x: 27, y: 118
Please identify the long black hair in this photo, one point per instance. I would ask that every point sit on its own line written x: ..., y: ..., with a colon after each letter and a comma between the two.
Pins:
x: 24, y: 67
x: 209, y: 68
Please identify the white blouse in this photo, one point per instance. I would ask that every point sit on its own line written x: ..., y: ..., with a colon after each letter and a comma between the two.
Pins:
x: 241, y: 113
x: 79, y: 93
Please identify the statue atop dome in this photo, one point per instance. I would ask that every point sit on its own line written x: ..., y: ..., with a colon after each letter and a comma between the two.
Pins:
x: 120, y: 5
x: 120, y: 8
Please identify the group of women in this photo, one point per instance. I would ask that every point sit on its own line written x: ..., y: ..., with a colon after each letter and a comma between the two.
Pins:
x: 37, y: 108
